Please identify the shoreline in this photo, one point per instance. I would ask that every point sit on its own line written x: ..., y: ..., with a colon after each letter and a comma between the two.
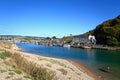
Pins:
x: 75, y: 71
x: 76, y: 64
x: 85, y: 70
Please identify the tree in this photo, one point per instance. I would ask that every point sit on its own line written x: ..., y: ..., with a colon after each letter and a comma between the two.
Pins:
x: 108, y: 32
x: 67, y: 39
x: 47, y: 38
x: 112, y: 41
x: 54, y: 37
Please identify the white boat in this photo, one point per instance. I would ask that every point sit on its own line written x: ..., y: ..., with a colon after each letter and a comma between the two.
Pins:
x: 67, y: 45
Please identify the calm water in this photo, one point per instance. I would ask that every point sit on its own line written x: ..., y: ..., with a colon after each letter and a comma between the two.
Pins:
x: 90, y: 58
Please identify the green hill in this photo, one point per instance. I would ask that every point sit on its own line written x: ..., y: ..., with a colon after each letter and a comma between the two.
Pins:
x: 108, y: 32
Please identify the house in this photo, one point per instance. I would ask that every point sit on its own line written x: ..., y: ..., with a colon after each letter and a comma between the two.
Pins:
x: 83, y: 39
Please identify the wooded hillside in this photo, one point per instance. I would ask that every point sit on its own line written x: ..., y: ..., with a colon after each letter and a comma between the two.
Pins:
x: 108, y: 32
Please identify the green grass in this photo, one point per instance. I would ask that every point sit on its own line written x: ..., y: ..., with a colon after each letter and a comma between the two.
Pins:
x: 18, y: 71
x: 29, y: 77
x: 4, y: 55
x: 2, y: 71
x: 31, y: 68
x: 11, y: 73
x: 52, y: 61
x: 57, y: 62
x: 40, y: 73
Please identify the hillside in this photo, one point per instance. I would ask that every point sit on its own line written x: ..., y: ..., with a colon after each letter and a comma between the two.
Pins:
x: 108, y: 33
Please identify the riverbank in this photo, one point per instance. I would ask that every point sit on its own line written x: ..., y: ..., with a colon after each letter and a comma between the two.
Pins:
x: 92, y: 59
x: 84, y: 69
x: 105, y: 47
x: 63, y: 69
x: 100, y: 47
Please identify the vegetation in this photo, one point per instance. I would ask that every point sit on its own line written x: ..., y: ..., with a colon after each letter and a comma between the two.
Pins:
x: 11, y: 73
x: 57, y: 62
x: 54, y: 37
x: 8, y: 77
x: 18, y: 71
x: 21, y: 65
x: 67, y: 39
x: 2, y: 71
x: 41, y: 58
x: 108, y: 33
x: 4, y: 55
x: 48, y: 38
x: 52, y: 61
x: 64, y: 72
x: 5, y: 44
x: 36, y: 72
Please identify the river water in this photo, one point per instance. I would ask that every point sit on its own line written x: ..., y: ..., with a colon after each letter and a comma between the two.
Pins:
x: 92, y: 59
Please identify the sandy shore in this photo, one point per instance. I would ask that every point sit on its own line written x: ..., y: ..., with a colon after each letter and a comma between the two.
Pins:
x: 84, y: 69
x: 64, y: 69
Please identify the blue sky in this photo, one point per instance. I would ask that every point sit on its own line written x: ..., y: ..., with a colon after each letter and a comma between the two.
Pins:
x: 54, y: 17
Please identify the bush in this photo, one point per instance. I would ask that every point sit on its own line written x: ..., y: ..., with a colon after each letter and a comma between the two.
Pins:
x: 4, y: 55
x: 112, y: 41
x: 67, y: 39
x: 18, y: 71
x: 36, y: 72
x: 64, y: 72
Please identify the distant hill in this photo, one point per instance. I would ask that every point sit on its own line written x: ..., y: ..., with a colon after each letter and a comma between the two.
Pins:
x: 18, y: 36
x: 108, y: 32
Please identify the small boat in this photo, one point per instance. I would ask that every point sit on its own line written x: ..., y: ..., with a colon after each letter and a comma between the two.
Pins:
x: 105, y: 70
x: 66, y: 45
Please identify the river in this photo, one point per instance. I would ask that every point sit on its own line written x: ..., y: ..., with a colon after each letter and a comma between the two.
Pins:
x: 92, y: 59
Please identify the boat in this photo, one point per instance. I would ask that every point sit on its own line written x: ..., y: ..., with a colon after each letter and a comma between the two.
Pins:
x: 107, y: 70
x: 67, y: 45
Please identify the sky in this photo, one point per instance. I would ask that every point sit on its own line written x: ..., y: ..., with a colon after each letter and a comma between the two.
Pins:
x: 58, y: 18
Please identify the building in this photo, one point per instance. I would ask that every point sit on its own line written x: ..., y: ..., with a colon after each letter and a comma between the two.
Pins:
x: 83, y: 40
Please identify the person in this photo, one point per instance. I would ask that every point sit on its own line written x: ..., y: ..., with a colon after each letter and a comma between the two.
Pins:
x: 108, y: 68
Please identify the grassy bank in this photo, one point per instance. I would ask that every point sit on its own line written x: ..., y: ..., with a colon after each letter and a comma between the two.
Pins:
x: 36, y: 67
x: 20, y: 64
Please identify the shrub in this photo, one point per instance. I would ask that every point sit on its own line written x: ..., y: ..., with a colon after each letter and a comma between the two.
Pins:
x: 2, y: 71
x: 4, y: 55
x: 18, y: 71
x: 64, y: 72
x: 57, y: 62
x: 31, y: 68
x: 11, y: 73
x: 112, y: 41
